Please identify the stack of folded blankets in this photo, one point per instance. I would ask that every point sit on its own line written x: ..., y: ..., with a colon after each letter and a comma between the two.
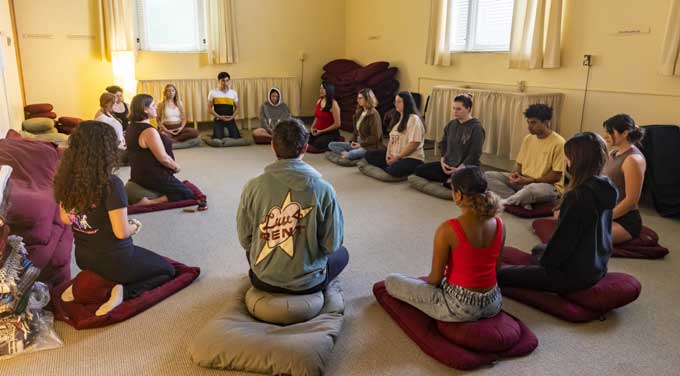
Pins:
x: 348, y: 77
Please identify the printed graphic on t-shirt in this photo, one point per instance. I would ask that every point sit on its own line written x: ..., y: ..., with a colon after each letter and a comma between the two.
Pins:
x: 79, y: 223
x: 280, y: 225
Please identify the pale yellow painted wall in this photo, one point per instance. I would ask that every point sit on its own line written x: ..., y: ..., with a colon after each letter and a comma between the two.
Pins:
x: 272, y: 34
x: 11, y: 102
x: 623, y: 77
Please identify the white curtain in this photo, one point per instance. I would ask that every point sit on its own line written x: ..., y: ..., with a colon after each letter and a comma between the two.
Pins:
x: 222, y: 36
x: 439, y: 34
x: 118, y: 42
x: 670, y: 52
x: 536, y: 34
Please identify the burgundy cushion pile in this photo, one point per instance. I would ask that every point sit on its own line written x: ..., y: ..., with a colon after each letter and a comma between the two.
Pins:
x: 68, y: 125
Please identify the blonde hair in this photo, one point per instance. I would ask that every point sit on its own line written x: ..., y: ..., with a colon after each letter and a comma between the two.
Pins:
x: 175, y: 99
x: 105, y: 99
x: 485, y: 205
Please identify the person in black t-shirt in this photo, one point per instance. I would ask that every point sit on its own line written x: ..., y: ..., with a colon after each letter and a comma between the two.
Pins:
x: 93, y: 201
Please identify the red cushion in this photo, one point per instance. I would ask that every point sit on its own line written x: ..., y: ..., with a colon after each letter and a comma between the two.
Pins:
x: 386, y: 75
x: 70, y: 121
x: 495, y: 334
x: 38, y: 108
x: 371, y: 70
x: 340, y: 66
x: 644, y: 247
x: 91, y: 288
x: 82, y: 316
x: 31, y: 213
x: 424, y: 332
x: 538, y: 210
x: 261, y: 140
x: 50, y: 115
x: 613, y: 291
x: 199, y: 196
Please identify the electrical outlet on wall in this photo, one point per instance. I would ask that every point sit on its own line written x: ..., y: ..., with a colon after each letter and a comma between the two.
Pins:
x: 587, y: 60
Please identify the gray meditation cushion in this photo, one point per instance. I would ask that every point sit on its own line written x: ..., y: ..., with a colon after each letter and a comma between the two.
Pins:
x: 377, y: 172
x: 225, y: 142
x: 339, y: 160
x: 190, y: 143
x: 283, y: 309
x: 38, y: 125
x: 136, y: 192
x: 432, y: 188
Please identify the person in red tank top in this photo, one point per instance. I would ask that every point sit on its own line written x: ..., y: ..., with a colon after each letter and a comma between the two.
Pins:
x: 461, y: 285
x: 326, y: 126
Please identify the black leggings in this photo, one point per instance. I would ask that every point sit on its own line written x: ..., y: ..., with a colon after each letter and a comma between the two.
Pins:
x: 137, y: 268
x: 169, y: 186
x: 219, y: 126
x: 403, y: 167
x: 337, y: 262
x: 432, y: 171
x: 321, y: 141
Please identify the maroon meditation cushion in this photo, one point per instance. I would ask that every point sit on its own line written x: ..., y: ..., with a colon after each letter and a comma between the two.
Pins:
x: 386, y: 75
x: 371, y: 70
x: 537, y: 211
x: 472, y: 352
x: 262, y: 140
x: 82, y: 315
x: 198, y: 196
x: 49, y: 115
x: 613, y: 291
x: 91, y: 288
x: 645, y: 247
x: 37, y: 108
x: 338, y: 66
x: 69, y: 122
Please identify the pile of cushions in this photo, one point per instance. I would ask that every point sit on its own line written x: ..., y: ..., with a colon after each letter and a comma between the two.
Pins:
x: 39, y: 110
x: 42, y: 129
x: 348, y: 77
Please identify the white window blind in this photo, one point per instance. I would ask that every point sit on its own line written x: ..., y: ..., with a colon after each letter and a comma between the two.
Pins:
x: 171, y: 25
x: 481, y: 25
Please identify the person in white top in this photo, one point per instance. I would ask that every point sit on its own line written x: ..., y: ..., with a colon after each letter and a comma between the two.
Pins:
x: 405, y: 149
x: 105, y: 115
x: 171, y: 117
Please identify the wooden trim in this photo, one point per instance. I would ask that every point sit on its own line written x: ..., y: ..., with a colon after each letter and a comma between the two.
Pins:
x: 12, y: 15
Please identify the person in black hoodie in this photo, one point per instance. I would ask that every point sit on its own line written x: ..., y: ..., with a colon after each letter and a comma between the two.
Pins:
x: 576, y: 256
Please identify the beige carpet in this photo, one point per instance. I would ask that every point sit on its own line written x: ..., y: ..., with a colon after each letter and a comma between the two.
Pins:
x: 389, y: 228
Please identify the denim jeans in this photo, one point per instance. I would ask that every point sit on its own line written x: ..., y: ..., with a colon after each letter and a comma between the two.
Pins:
x: 449, y: 303
x: 338, y: 147
x: 534, y: 193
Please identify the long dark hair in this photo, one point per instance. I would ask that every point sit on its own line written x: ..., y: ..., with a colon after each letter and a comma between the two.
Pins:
x: 622, y: 123
x: 137, y: 106
x: 588, y: 153
x: 409, y: 109
x: 330, y: 95
x: 86, y: 167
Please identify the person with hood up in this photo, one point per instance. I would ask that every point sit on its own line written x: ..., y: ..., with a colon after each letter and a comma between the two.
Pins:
x: 576, y: 256
x: 271, y: 112
x: 289, y: 221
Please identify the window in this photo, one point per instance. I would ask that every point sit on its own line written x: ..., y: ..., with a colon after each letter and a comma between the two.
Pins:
x: 171, y: 25
x: 480, y: 25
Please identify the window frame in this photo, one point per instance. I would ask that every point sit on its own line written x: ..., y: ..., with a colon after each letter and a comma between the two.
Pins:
x: 141, y: 30
x: 471, y: 33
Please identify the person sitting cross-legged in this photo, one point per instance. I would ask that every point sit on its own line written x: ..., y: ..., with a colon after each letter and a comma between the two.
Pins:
x: 367, y: 133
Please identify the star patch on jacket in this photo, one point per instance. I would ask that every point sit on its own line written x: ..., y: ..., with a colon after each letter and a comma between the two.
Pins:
x: 279, y: 226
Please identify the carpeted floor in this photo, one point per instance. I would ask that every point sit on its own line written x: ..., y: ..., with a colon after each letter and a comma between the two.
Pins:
x: 389, y: 228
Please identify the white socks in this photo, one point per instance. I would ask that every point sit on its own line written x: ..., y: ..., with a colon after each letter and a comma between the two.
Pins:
x: 113, y: 302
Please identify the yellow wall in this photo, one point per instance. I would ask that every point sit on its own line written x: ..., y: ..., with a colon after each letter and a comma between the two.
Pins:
x: 623, y: 77
x: 11, y: 101
x: 272, y: 34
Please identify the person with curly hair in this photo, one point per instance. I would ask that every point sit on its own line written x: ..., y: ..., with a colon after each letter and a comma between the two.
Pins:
x: 93, y: 202
x: 467, y: 255
x: 152, y: 162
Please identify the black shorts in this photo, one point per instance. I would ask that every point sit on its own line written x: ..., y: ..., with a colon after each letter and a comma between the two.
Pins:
x: 631, y: 222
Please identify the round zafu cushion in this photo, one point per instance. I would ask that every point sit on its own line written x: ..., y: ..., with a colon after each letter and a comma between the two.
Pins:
x: 49, y: 115
x: 37, y: 125
x: 613, y: 291
x: 262, y: 140
x: 70, y: 122
x: 377, y: 172
x: 495, y: 334
x: 37, y: 108
x: 339, y: 160
x: 190, y: 143
x: 136, y: 192
x: 338, y: 66
x: 283, y: 309
x: 432, y: 188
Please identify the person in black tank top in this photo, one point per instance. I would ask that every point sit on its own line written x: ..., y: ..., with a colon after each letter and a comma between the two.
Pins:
x: 93, y: 201
x: 152, y: 162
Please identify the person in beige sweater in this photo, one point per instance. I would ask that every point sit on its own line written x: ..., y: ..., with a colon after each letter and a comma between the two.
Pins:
x: 367, y: 129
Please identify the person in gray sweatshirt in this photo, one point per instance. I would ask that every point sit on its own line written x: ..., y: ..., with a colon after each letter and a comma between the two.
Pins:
x: 271, y: 112
x: 289, y: 221
x: 461, y: 145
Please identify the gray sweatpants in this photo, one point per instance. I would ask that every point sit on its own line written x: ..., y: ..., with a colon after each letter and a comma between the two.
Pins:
x: 447, y: 303
x: 534, y: 193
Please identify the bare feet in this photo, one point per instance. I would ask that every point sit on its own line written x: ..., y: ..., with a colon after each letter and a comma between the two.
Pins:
x: 67, y: 295
x: 113, y: 302
x: 147, y: 201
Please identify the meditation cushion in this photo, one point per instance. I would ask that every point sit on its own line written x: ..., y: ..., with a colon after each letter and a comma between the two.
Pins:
x: 537, y: 210
x: 136, y: 192
x: 49, y: 115
x: 613, y: 291
x: 190, y: 143
x: 92, y: 291
x: 234, y: 340
x: 68, y: 125
x: 38, y: 108
x: 463, y: 346
x: 199, y: 197
x: 378, y: 173
x: 645, y: 247
x: 339, y: 160
x: 38, y: 125
x: 225, y: 142
x: 262, y: 140
x: 283, y: 309
x: 52, y: 136
x: 371, y: 70
x: 431, y: 188
x: 386, y: 75
x: 337, y: 66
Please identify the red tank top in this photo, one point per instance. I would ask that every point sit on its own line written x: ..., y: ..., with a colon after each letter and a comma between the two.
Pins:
x: 324, y: 119
x: 472, y: 267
